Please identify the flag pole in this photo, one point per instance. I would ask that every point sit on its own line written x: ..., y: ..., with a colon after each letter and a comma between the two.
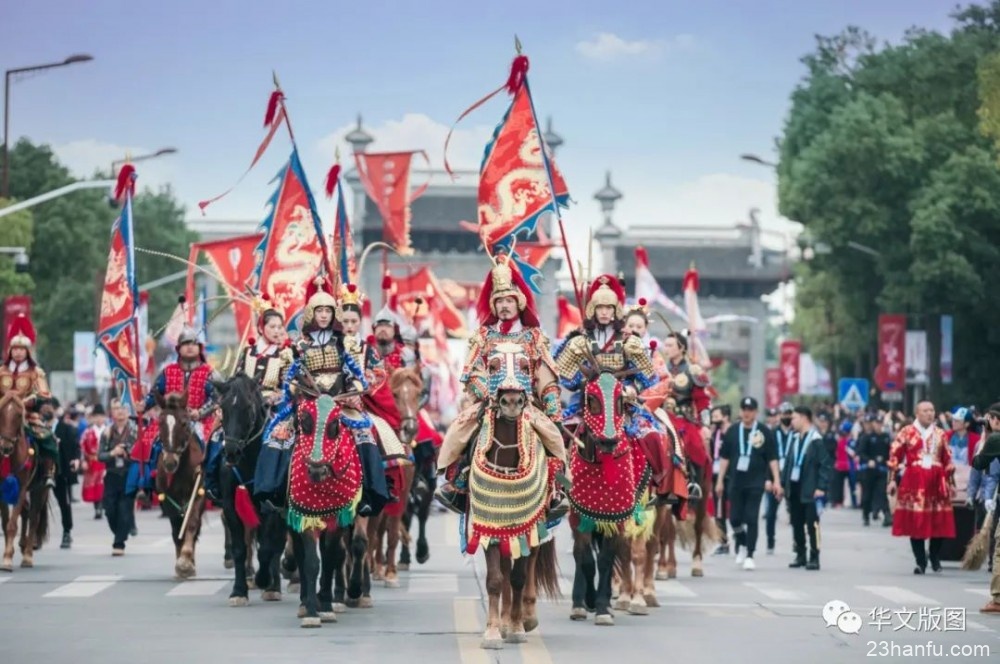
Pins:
x: 552, y: 188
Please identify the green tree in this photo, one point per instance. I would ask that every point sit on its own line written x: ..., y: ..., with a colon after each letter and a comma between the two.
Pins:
x: 891, y: 148
x: 70, y: 250
x: 15, y: 231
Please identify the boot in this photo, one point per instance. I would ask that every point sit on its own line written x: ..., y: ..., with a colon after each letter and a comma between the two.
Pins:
x: 67, y: 540
x: 800, y: 560
x: 813, y: 563
x: 451, y: 498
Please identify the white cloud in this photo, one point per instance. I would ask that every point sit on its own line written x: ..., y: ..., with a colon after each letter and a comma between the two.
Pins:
x: 85, y: 157
x: 609, y: 46
x: 416, y: 131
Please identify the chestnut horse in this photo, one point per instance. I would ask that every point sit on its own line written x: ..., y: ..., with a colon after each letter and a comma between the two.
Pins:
x: 405, y: 385
x: 178, y: 479
x: 23, y: 494
x: 698, y: 529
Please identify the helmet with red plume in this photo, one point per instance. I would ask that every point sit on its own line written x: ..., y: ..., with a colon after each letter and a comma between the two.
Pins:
x: 606, y: 290
x: 505, y: 280
x: 319, y: 293
x: 21, y: 334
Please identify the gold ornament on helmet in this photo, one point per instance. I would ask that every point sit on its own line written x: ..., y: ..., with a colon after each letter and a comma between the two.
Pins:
x: 350, y: 299
x: 502, y: 278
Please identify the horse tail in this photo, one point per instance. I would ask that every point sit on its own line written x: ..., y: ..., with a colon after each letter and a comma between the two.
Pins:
x: 547, y: 570
x: 685, y: 532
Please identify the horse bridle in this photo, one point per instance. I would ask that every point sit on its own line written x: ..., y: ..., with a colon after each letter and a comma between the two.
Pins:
x: 243, y: 443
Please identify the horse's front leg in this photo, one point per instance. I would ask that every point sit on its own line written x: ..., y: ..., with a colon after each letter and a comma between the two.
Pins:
x: 516, y: 633
x: 530, y: 595
x: 652, y: 546
x: 185, y: 567
x: 700, y: 522
x: 9, y: 516
x: 392, y: 530
x: 583, y: 576
x: 249, y: 541
x: 359, y: 586
x: 31, y: 535
x: 667, y: 567
x: 605, y: 570
x: 373, y: 532
x: 423, y: 513
x: 492, y: 638
x: 227, y: 551
x: 309, y: 570
x: 626, y: 581
x: 340, y: 571
x: 240, y: 594
x: 327, y: 558
x: 637, y: 605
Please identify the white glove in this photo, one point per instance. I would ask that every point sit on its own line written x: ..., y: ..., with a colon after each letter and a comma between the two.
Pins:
x: 990, y: 504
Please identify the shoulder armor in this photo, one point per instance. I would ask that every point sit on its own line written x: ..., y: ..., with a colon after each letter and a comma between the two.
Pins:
x: 633, y: 344
x: 287, y: 355
x: 40, y: 372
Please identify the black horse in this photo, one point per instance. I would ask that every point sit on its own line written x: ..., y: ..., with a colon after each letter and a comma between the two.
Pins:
x: 244, y: 417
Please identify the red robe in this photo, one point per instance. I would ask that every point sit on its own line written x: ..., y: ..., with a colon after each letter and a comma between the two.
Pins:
x: 93, y: 476
x: 923, y: 507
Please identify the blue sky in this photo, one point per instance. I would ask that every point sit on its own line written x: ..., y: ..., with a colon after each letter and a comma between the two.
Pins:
x: 665, y: 94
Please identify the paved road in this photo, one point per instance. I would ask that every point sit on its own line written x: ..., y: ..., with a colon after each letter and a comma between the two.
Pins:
x: 85, y: 604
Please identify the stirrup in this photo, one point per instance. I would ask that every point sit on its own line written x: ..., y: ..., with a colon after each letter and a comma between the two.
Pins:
x: 694, y: 491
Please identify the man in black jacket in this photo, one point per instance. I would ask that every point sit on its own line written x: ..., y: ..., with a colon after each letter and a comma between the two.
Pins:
x: 873, y: 453
x: 69, y: 464
x: 805, y: 477
x: 749, y: 463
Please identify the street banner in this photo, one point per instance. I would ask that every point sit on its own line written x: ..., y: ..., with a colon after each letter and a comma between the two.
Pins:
x: 917, y: 366
x: 790, y: 355
x: 772, y: 388
x: 890, y: 375
x: 947, y: 341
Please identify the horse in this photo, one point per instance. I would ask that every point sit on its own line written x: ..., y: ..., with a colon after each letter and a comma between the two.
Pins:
x: 697, y: 529
x: 178, y: 479
x: 23, y: 494
x: 405, y: 385
x: 610, y: 479
x: 244, y: 418
x: 418, y: 505
x: 324, y: 490
x: 508, y: 457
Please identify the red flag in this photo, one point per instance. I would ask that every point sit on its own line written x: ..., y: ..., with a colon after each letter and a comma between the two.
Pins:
x: 891, y: 372
x: 234, y: 261
x: 289, y: 254
x: 569, y: 317
x: 386, y: 178
x: 772, y: 388
x: 790, y: 353
x: 646, y: 286
x: 423, y: 284
x: 513, y: 184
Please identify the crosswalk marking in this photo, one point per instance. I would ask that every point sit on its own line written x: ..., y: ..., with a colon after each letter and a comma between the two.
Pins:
x: 672, y: 588
x: 85, y: 586
x: 985, y: 592
x: 197, y: 588
x: 433, y: 583
x: 900, y: 596
x: 774, y: 592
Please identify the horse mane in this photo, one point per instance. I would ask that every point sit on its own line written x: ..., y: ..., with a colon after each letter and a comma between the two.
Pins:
x: 399, y: 376
x: 244, y: 388
x: 173, y: 401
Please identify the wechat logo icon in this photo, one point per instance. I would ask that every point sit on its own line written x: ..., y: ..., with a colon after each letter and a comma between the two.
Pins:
x: 838, y: 614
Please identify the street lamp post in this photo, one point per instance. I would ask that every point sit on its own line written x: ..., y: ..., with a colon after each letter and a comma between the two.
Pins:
x: 153, y: 155
x: 73, y: 59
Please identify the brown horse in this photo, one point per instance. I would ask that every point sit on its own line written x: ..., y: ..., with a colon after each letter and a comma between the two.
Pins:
x: 178, y: 479
x: 29, y: 495
x: 512, y: 580
x: 697, y: 530
x: 405, y: 385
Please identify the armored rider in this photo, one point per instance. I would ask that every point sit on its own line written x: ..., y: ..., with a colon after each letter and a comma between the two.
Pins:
x: 192, y: 374
x: 267, y: 357
x: 603, y: 338
x: 22, y: 375
x: 506, y: 311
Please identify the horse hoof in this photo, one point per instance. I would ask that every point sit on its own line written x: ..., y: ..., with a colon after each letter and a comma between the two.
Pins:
x: 504, y: 631
x: 491, y: 644
x: 351, y: 603
x: 311, y: 622
x: 184, y: 569
x: 578, y: 613
x: 327, y: 616
x: 228, y: 563
x: 671, y: 573
x: 661, y: 575
x: 339, y: 607
x: 271, y: 596
x: 651, y: 600
x: 622, y: 604
x: 516, y: 637
x: 366, y: 603
x: 301, y: 613
x: 530, y: 624
x: 604, y: 620
x: 377, y: 576
x: 27, y: 562
x: 251, y: 584
x: 239, y: 601
x: 403, y: 567
x: 697, y: 572
x: 637, y: 609
x: 392, y: 583
x: 293, y: 588
x: 423, y: 556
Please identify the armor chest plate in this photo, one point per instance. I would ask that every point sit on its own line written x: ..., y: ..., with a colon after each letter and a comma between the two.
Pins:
x: 322, y: 359
x: 682, y: 383
x: 22, y: 383
x: 193, y: 382
x: 265, y: 370
x: 612, y: 356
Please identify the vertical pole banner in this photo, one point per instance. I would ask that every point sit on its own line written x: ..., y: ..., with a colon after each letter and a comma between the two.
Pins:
x: 891, y: 373
x: 772, y: 388
x: 947, y: 338
x: 791, y: 352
